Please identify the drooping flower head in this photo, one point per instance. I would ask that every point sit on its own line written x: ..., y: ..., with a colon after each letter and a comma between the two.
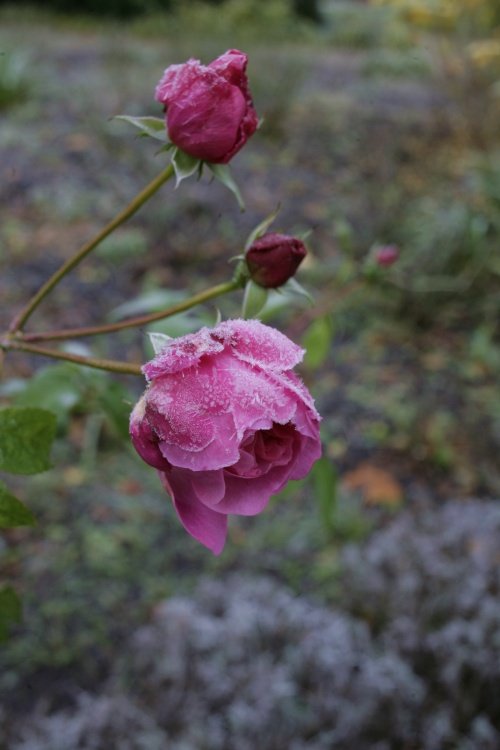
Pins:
x: 208, y: 108
x: 226, y: 422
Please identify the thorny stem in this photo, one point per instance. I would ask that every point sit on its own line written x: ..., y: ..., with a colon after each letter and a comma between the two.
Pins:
x: 21, y: 318
x: 126, y: 368
x: 72, y: 333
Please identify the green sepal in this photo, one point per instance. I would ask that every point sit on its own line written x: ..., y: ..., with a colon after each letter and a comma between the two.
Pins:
x: 12, y: 511
x: 10, y: 610
x: 166, y: 147
x: 185, y: 165
x: 26, y: 436
x: 154, y: 127
x: 293, y: 288
x: 254, y: 299
x: 262, y: 228
x: 222, y: 173
x: 158, y: 341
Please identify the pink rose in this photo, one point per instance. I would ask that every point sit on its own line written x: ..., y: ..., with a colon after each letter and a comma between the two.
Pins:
x: 209, y: 110
x: 226, y: 422
x: 273, y: 259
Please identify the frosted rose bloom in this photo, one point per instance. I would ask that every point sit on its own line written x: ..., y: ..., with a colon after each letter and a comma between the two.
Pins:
x: 226, y: 422
x: 208, y: 108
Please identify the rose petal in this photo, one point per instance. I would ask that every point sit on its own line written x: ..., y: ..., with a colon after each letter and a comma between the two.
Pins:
x: 246, y: 497
x: 205, y: 122
x: 306, y: 455
x: 143, y: 438
x: 204, y: 524
x: 191, y: 416
x: 232, y: 66
x: 177, y: 79
x: 259, y: 345
x: 221, y: 451
x: 208, y: 486
x: 182, y: 353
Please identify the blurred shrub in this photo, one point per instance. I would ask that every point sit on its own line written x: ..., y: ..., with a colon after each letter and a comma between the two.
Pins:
x: 413, y: 661
x: 352, y: 24
x: 244, y: 664
x: 466, y: 15
x: 449, y: 239
x: 240, y: 20
x: 106, y: 723
x: 428, y: 586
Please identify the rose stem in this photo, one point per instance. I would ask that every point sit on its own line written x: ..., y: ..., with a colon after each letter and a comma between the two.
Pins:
x: 134, y: 205
x: 72, y: 333
x: 99, y: 364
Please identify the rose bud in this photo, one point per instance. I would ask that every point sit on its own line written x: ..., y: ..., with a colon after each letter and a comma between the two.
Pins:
x: 386, y: 255
x: 208, y: 108
x: 273, y: 259
x: 226, y: 422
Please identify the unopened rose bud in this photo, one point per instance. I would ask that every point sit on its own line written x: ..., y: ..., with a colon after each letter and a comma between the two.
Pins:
x: 274, y: 258
x: 208, y: 108
x: 386, y: 255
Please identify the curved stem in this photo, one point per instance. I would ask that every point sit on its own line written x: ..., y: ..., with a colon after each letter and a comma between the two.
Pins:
x: 72, y: 333
x: 21, y: 318
x: 110, y: 365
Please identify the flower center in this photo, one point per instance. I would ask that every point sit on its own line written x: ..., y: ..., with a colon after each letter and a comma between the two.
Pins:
x: 262, y: 450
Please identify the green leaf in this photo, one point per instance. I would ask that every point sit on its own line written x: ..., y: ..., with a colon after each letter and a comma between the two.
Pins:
x: 317, y: 340
x: 154, y: 127
x: 254, y: 299
x: 26, y: 435
x: 325, y: 485
x: 262, y: 228
x: 12, y: 512
x: 184, y: 165
x: 10, y: 610
x: 58, y: 387
x: 223, y: 173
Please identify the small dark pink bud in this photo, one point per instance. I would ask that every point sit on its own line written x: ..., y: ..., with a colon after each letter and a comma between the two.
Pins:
x: 386, y: 255
x: 274, y: 258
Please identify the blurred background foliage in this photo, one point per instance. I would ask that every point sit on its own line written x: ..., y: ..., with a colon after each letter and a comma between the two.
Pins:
x: 380, y: 128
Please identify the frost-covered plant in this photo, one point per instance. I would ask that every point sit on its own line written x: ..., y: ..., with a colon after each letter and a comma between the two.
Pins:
x: 247, y: 664
x: 429, y: 588
x: 413, y: 663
